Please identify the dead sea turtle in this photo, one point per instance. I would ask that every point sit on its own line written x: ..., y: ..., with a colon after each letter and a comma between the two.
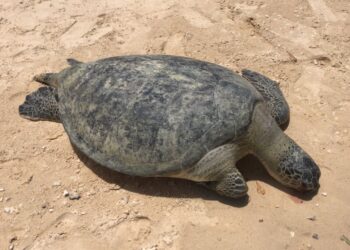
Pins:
x: 175, y: 117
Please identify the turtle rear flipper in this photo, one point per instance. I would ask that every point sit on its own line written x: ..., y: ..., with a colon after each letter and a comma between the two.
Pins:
x: 42, y: 104
x: 272, y: 94
x: 73, y: 62
x: 49, y: 79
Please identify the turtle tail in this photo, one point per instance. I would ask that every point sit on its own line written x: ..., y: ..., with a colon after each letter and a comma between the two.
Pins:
x: 73, y: 62
x: 42, y: 104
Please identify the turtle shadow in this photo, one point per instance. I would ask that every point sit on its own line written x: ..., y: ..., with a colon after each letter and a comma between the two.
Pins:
x: 157, y: 186
x: 253, y: 170
x: 249, y: 166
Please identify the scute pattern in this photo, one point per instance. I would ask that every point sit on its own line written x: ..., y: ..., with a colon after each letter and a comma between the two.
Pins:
x: 149, y: 115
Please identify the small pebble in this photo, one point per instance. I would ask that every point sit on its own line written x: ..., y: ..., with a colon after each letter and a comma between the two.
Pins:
x: 2, y: 189
x: 324, y: 194
x: 10, y: 210
x: 13, y: 238
x: 65, y: 193
x: 317, y: 205
x: 261, y: 220
x: 51, y: 210
x: 313, y: 218
x: 11, y: 247
x: 74, y: 196
x: 56, y: 184
x: 292, y: 234
x: 315, y: 236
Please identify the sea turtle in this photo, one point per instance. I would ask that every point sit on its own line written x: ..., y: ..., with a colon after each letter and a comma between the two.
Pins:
x: 159, y: 115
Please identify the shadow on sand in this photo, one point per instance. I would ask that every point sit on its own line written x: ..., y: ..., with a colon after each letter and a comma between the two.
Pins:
x: 250, y: 167
x: 253, y: 170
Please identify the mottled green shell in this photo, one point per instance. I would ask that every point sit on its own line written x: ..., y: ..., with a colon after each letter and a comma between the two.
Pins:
x: 151, y: 115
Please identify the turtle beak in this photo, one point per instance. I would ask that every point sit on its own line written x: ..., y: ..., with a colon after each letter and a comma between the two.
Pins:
x: 310, y: 176
x: 303, y: 174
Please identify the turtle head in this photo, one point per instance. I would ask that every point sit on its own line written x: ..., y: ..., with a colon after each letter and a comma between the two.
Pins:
x: 41, y: 105
x: 282, y: 157
x: 297, y: 169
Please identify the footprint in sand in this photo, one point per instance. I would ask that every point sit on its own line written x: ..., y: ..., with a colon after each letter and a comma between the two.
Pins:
x: 83, y: 32
x: 312, y: 83
x: 322, y: 11
x: 197, y: 19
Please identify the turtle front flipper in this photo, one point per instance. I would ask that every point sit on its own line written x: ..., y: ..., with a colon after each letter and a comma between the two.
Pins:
x: 231, y: 184
x: 217, y: 171
x: 42, y: 104
x: 272, y: 94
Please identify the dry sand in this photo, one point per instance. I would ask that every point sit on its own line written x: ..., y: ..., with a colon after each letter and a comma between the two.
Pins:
x: 305, y: 45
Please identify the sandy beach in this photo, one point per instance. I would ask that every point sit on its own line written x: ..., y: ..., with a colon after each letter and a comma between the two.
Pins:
x: 303, y: 45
